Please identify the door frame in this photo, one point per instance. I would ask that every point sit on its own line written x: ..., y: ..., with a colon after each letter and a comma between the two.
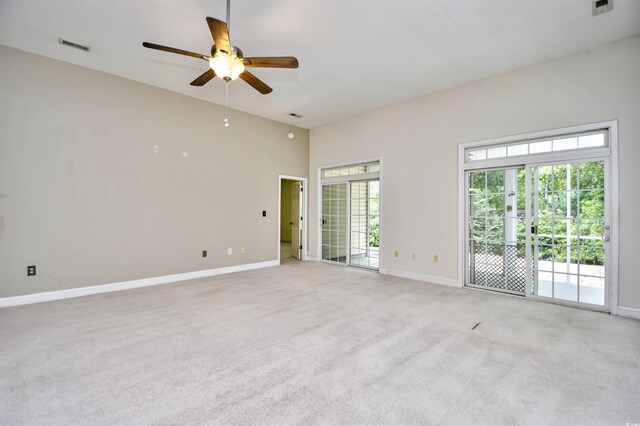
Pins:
x: 305, y: 191
x: 613, y: 178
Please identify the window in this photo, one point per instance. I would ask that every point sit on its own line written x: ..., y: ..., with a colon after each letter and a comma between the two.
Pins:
x: 536, y: 215
x: 575, y: 142
x: 351, y: 170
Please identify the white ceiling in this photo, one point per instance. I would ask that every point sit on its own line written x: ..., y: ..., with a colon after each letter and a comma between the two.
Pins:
x: 355, y: 55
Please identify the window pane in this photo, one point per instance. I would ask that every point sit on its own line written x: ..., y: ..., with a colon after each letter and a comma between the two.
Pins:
x: 522, y: 149
x: 538, y: 147
x: 592, y: 290
x: 591, y: 141
x: 565, y: 287
x: 477, y: 182
x: 591, y: 175
x: 560, y: 177
x: 495, y: 181
x: 477, y: 154
x: 497, y: 152
x: 563, y: 144
x: 372, y: 168
x: 592, y: 204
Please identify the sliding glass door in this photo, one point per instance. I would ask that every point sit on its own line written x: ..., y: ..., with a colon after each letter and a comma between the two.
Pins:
x: 364, y: 224
x: 538, y: 215
x: 569, y: 231
x: 334, y: 222
x: 350, y: 223
x: 540, y: 231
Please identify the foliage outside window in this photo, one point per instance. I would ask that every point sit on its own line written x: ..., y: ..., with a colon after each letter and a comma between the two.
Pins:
x: 584, y: 194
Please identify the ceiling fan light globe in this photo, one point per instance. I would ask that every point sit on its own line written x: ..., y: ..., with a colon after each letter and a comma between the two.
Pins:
x: 226, y: 67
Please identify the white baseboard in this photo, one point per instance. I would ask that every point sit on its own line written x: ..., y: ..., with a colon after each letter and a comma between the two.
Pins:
x: 628, y: 312
x: 28, y: 299
x: 419, y: 277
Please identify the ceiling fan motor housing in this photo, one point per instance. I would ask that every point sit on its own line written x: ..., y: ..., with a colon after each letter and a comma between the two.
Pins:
x: 236, y: 51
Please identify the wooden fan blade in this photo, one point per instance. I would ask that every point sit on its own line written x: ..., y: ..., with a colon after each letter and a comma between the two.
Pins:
x: 219, y: 33
x: 256, y: 83
x: 204, y: 78
x: 174, y: 50
x: 272, y: 62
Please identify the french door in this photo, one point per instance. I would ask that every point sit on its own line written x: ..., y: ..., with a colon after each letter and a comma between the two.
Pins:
x: 541, y: 231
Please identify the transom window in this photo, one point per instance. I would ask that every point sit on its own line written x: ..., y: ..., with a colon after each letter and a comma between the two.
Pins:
x: 351, y: 170
x: 595, y: 139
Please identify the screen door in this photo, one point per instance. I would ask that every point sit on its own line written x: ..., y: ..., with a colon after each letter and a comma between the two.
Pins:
x: 497, y: 230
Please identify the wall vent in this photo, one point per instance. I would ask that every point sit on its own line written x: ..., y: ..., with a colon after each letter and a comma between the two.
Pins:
x: 601, y: 6
x: 74, y: 45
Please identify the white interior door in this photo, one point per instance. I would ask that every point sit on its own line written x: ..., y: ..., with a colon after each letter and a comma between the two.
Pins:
x: 296, y: 218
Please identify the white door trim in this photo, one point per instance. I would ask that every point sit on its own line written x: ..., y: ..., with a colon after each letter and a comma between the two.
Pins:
x: 305, y: 191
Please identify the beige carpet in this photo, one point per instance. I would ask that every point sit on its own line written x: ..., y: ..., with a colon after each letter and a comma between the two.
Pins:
x: 309, y: 343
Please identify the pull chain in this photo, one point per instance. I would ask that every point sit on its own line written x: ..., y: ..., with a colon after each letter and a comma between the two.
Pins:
x: 226, y: 104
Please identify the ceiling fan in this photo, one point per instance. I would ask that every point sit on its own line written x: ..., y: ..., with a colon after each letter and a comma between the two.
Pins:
x: 228, y: 61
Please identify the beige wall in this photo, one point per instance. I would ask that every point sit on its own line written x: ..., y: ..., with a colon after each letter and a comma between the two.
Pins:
x: 85, y: 199
x: 285, y: 209
x: 418, y: 142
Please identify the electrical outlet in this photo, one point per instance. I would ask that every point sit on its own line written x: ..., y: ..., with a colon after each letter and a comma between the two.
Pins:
x: 241, y: 249
x: 31, y: 270
x: 229, y: 251
x: 396, y: 254
x: 435, y: 258
x: 204, y: 253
